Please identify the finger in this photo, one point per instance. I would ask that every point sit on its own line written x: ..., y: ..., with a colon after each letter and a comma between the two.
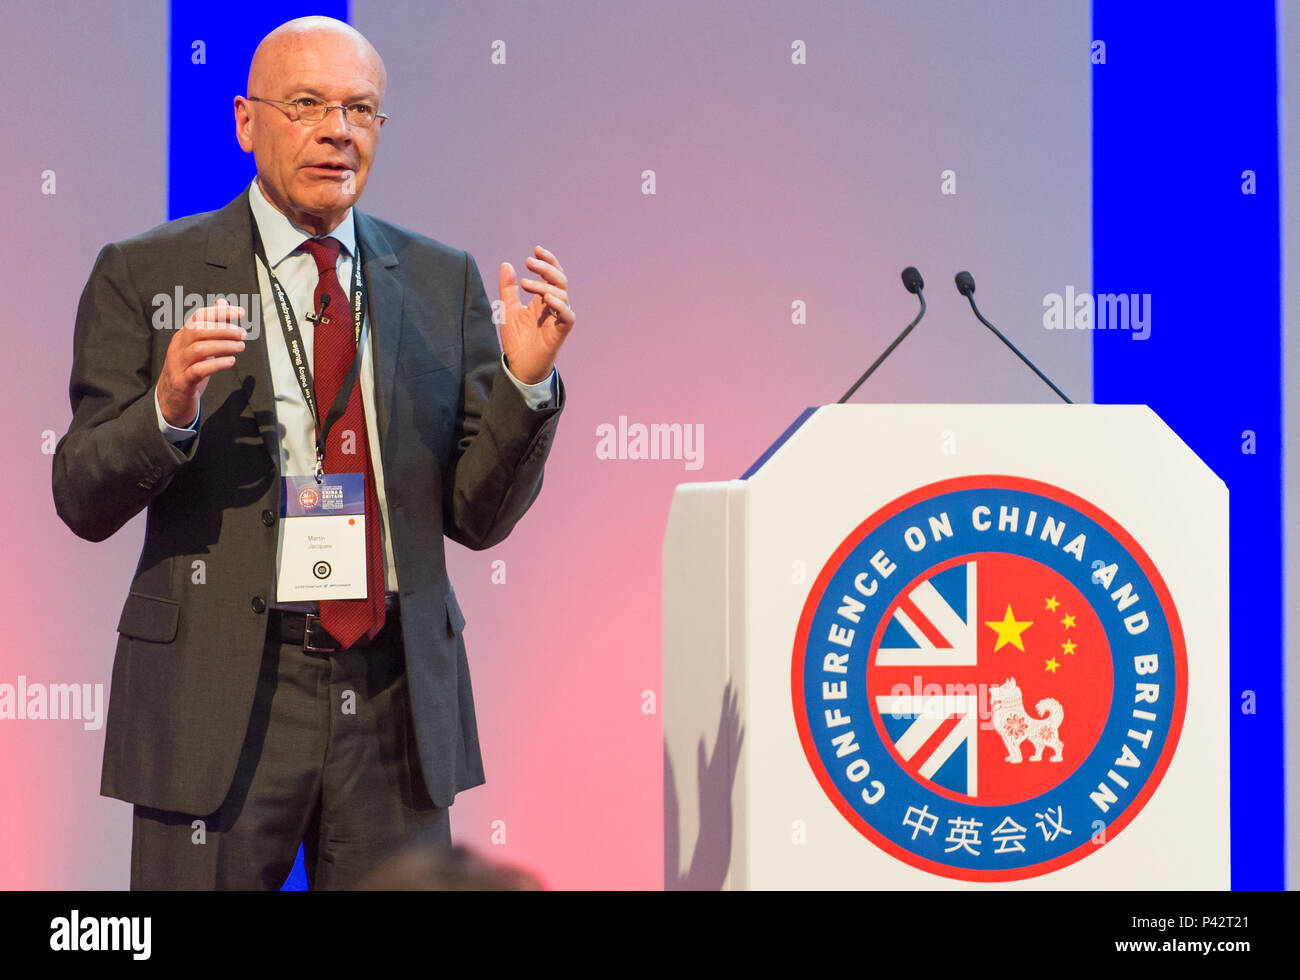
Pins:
x: 548, y: 271
x: 560, y: 308
x: 509, y: 294
x: 222, y: 311
x: 198, y: 333
x: 219, y: 314
x: 556, y: 301
x: 211, y: 330
x: 548, y: 256
x: 543, y: 289
x: 203, y: 349
x: 197, y: 372
x: 564, y: 316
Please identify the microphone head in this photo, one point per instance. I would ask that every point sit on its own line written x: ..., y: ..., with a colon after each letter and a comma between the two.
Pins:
x: 965, y: 283
x: 324, y: 300
x: 912, y: 280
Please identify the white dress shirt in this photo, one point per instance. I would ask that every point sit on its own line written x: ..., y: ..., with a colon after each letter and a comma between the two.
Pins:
x: 296, y: 430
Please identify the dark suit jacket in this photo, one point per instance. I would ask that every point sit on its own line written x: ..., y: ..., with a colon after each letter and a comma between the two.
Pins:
x: 462, y: 456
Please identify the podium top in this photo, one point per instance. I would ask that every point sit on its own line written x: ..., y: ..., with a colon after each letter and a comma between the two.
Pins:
x: 1097, y: 422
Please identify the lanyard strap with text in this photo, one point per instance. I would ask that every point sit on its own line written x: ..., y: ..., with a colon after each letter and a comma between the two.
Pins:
x: 297, y: 352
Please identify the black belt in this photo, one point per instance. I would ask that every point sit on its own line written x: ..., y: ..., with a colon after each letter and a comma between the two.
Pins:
x: 305, y: 630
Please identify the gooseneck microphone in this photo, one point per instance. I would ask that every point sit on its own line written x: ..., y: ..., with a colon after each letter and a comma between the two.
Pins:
x: 914, y: 284
x: 966, y: 286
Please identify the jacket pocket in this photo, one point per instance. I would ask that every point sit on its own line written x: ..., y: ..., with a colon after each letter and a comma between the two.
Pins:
x: 145, y: 617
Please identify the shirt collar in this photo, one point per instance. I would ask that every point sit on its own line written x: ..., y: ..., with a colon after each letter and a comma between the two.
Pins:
x: 281, y: 237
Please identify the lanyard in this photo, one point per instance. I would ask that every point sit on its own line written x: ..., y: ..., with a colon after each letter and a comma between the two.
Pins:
x: 297, y: 353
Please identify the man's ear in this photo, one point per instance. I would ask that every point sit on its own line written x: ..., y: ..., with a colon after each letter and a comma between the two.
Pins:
x: 243, y: 124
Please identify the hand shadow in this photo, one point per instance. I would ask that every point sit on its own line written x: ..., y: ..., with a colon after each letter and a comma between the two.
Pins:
x: 716, y: 776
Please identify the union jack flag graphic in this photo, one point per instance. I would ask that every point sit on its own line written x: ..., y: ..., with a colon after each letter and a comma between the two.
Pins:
x: 931, y: 625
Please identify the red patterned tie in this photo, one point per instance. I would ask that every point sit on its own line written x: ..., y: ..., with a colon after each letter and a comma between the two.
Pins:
x: 333, y: 347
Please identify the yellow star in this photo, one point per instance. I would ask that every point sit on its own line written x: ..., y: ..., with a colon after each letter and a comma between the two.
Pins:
x: 1052, y: 665
x: 1068, y: 621
x: 1009, y: 631
x: 1068, y: 646
x: 1052, y: 604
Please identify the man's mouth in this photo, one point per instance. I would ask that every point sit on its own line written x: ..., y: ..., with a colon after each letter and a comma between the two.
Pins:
x: 334, y: 167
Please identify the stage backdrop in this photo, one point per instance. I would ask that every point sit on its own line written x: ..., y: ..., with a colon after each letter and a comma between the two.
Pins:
x: 733, y: 188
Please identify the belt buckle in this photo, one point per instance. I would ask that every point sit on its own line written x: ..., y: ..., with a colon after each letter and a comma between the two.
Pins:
x: 307, y: 645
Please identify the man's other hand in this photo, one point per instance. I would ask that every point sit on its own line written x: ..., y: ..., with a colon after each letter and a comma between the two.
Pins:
x: 531, y: 335
x: 206, y: 344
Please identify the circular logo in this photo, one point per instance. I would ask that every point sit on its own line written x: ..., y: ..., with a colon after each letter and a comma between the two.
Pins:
x: 308, y: 498
x: 321, y: 569
x: 989, y: 678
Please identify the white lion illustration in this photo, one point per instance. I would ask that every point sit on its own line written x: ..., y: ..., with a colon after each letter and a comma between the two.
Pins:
x: 1014, y: 724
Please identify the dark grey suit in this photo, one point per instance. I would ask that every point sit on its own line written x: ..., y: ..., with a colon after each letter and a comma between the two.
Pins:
x: 462, y: 455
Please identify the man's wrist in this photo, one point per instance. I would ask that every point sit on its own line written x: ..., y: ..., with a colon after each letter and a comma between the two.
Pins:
x: 174, y: 433
x: 538, y: 396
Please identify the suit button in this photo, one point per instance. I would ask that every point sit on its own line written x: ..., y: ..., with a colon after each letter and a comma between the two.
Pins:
x: 268, y: 518
x: 258, y: 604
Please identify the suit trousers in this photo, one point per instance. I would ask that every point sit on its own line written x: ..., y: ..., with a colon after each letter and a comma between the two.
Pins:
x: 329, y: 761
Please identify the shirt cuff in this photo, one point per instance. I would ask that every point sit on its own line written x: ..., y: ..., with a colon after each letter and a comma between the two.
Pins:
x: 170, y: 432
x: 537, y: 397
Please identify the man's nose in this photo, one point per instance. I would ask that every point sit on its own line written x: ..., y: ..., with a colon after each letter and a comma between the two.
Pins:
x: 334, y: 125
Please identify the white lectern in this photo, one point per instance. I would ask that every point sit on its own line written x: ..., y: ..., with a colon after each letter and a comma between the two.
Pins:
x: 938, y: 646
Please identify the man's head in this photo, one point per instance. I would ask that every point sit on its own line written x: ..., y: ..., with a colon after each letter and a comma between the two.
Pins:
x: 313, y: 172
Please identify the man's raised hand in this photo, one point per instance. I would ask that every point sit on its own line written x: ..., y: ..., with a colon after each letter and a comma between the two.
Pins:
x: 206, y: 344
x: 531, y: 335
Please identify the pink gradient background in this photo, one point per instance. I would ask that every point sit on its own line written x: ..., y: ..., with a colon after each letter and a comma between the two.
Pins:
x: 775, y: 183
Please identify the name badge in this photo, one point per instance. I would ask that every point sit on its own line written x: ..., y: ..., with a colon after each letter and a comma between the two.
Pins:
x: 322, y: 538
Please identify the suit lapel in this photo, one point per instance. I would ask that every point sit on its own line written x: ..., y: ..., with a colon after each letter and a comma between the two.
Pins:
x: 229, y: 256
x: 384, y: 301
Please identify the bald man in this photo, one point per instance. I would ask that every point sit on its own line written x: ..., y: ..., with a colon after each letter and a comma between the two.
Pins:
x: 290, y: 664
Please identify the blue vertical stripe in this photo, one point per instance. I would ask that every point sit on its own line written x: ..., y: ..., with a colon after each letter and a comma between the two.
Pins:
x: 211, y: 47
x: 1185, y: 103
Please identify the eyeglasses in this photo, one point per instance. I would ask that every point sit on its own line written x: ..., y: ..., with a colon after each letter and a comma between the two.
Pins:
x: 310, y: 110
